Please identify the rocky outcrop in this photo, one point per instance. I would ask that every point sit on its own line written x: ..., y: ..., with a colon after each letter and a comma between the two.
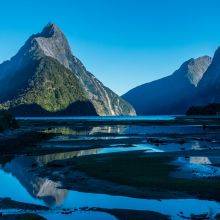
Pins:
x: 45, y: 73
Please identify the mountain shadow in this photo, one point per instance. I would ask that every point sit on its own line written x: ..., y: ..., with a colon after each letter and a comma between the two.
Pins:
x: 78, y: 108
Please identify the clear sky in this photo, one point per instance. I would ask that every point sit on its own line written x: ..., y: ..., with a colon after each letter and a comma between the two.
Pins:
x: 124, y: 43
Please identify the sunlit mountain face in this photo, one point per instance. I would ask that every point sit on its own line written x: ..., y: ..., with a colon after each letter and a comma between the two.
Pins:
x: 45, y: 78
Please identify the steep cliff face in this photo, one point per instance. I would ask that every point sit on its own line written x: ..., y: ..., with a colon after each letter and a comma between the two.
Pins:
x: 44, y: 73
x: 172, y: 94
x: 209, y: 86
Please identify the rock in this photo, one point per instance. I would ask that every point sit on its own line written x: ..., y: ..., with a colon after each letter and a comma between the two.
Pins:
x: 208, y: 88
x: 45, y: 78
x: 172, y: 94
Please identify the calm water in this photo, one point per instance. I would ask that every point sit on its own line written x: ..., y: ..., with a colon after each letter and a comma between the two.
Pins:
x: 19, y: 181
x: 103, y: 118
x: 74, y: 199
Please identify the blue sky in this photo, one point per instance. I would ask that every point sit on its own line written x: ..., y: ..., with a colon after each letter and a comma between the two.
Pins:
x: 124, y: 43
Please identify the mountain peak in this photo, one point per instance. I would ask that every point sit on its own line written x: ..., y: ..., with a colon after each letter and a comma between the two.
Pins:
x: 53, y: 43
x: 194, y: 68
x: 45, y: 76
x: 50, y: 29
x: 197, y: 68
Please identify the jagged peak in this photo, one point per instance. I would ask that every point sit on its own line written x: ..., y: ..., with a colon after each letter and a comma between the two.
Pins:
x: 201, y: 59
x: 194, y: 68
x: 50, y: 29
x: 194, y: 61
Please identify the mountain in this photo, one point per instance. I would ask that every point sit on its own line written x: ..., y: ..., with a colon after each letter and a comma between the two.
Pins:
x: 209, y: 86
x: 210, y: 109
x: 44, y: 77
x: 172, y: 94
x: 207, y: 98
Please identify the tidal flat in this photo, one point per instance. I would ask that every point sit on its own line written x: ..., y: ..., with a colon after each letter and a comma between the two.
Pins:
x: 111, y: 168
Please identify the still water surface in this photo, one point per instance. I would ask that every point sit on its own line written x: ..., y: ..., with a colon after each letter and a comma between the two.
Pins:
x: 15, y: 189
x: 20, y: 183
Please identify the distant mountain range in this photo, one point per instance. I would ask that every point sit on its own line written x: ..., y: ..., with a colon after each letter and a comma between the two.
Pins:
x: 195, y: 83
x: 45, y: 78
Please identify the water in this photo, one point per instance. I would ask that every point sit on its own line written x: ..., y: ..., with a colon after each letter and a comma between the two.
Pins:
x: 102, y: 118
x: 79, y: 215
x: 20, y: 181
x: 177, y: 129
x: 12, y: 188
x: 73, y: 199
x: 135, y: 147
x: 197, y: 167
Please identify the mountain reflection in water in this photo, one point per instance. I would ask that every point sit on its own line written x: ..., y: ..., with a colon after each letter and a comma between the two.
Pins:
x: 40, y: 188
x: 24, y: 181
